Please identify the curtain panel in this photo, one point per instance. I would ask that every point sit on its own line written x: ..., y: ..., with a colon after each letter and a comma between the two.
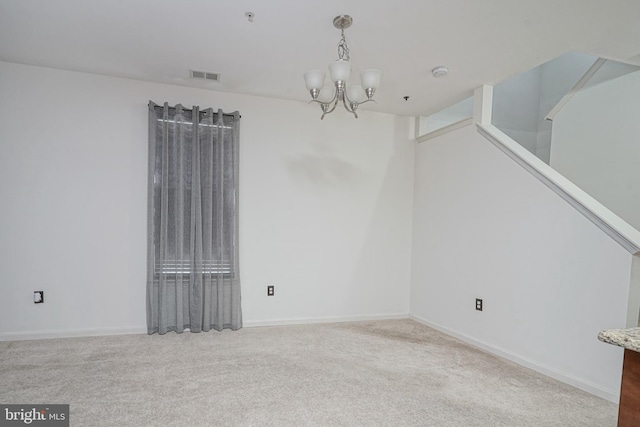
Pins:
x: 193, y: 278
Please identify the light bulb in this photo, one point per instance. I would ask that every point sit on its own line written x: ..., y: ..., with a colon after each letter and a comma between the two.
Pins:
x: 326, y: 94
x: 371, y: 78
x: 314, y: 79
x: 356, y: 94
x: 340, y: 70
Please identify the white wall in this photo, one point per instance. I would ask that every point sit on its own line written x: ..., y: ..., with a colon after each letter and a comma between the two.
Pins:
x: 326, y: 216
x: 515, y: 108
x: 557, y: 77
x: 522, y: 102
x: 325, y: 205
x: 596, y: 144
x: 452, y: 114
x: 550, y: 279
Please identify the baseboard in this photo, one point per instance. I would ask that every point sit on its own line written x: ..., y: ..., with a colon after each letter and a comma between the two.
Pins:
x: 73, y: 333
x: 589, y: 387
x: 311, y: 320
x: 69, y: 333
x: 612, y: 396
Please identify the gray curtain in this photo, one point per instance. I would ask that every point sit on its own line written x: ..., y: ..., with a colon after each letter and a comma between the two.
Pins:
x: 193, y: 276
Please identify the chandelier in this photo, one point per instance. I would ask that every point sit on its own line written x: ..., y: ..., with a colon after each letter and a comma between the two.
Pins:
x: 339, y: 71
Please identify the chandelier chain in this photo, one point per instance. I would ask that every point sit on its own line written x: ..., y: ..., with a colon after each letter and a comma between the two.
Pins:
x: 343, y: 49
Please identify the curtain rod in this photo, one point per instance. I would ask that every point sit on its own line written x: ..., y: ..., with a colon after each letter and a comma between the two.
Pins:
x: 154, y: 105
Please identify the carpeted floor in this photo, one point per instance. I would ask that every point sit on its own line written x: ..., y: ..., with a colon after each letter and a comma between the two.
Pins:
x: 378, y: 373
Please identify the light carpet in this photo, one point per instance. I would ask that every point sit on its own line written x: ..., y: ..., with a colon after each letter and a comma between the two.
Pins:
x: 377, y: 373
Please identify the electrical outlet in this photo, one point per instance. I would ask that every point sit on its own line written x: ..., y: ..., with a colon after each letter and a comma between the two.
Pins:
x: 478, y: 304
x: 38, y: 297
x: 270, y: 290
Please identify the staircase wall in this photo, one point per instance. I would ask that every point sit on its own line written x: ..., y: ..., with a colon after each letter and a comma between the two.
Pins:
x: 596, y: 144
x: 550, y: 279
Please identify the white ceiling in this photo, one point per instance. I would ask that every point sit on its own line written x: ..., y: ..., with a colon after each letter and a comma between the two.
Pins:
x: 160, y: 40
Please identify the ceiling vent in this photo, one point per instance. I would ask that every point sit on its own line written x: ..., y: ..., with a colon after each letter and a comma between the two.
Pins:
x: 205, y: 75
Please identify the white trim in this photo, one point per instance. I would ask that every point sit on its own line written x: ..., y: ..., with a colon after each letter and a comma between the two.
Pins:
x: 312, y: 320
x: 74, y: 333
x: 69, y: 333
x: 566, y: 378
x: 582, y: 384
x: 580, y: 84
x: 614, y: 226
x: 446, y: 129
x: 633, y: 304
x: 483, y: 104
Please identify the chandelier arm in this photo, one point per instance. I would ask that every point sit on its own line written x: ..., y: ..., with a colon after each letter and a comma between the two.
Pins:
x: 347, y: 98
x: 358, y: 103
x: 347, y: 104
x: 319, y: 102
x: 335, y: 96
x: 335, y: 104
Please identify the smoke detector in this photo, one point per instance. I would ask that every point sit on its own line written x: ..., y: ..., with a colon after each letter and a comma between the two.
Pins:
x: 440, y: 71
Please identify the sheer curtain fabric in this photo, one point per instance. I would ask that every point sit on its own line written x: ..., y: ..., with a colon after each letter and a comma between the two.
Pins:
x: 193, y: 276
